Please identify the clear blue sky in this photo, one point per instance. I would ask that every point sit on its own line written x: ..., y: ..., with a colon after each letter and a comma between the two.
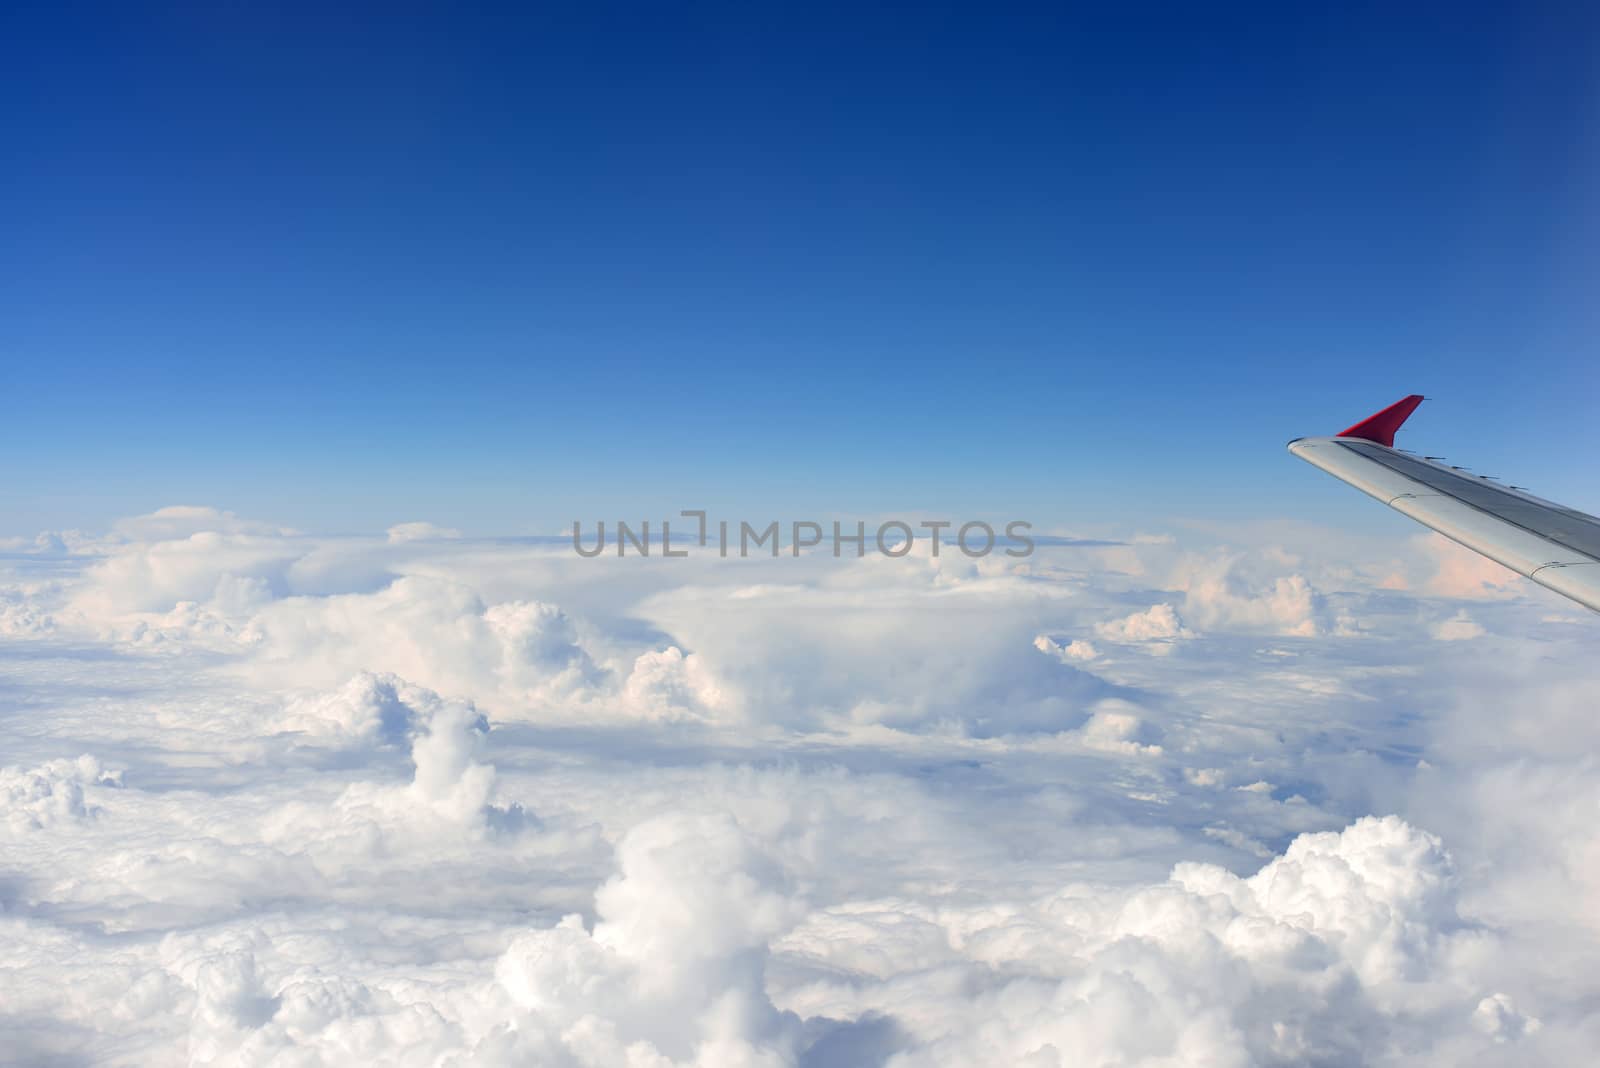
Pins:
x: 500, y: 270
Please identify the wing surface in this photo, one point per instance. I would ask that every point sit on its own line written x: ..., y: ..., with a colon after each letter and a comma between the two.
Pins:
x: 1556, y: 546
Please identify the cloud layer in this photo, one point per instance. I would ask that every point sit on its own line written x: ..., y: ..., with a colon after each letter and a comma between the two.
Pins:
x: 1251, y: 797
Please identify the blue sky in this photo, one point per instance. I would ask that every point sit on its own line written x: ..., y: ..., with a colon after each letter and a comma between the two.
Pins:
x: 499, y: 271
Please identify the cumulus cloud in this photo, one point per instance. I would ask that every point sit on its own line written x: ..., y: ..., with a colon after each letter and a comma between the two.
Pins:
x: 1075, y: 650
x: 369, y: 709
x: 451, y: 790
x: 516, y: 656
x: 1116, y: 727
x: 668, y: 684
x: 158, y: 575
x: 673, y: 972
x: 1347, y: 946
x: 53, y: 792
x: 1157, y: 623
x: 21, y: 616
x: 1238, y: 592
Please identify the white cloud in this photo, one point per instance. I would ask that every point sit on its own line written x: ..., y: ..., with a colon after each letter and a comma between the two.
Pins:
x: 1238, y: 592
x: 1459, y: 627
x: 1156, y: 623
x: 369, y: 709
x: 1498, y: 1017
x: 54, y: 792
x: 424, y: 800
x: 21, y: 616
x: 183, y: 521
x: 1117, y: 727
x: 419, y: 531
x: 668, y: 684
x: 1076, y: 650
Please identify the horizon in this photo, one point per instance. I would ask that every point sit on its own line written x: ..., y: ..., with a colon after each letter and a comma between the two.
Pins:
x: 355, y: 710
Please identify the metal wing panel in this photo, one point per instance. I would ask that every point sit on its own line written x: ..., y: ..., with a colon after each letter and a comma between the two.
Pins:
x: 1555, y: 546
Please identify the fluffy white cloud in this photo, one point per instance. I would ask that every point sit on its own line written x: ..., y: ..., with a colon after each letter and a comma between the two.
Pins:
x: 1075, y: 650
x: 1115, y: 727
x: 1249, y: 592
x: 666, y: 684
x: 1158, y: 622
x: 54, y: 792
x: 418, y: 800
x: 21, y: 616
x: 1344, y: 944
x: 369, y: 709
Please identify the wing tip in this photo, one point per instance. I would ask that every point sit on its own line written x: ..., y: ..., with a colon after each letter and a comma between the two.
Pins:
x: 1380, y: 426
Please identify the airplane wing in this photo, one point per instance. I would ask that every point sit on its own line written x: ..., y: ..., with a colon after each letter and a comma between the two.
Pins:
x: 1555, y: 546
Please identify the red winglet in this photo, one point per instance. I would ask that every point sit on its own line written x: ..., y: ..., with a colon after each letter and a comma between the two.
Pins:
x: 1381, y: 427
